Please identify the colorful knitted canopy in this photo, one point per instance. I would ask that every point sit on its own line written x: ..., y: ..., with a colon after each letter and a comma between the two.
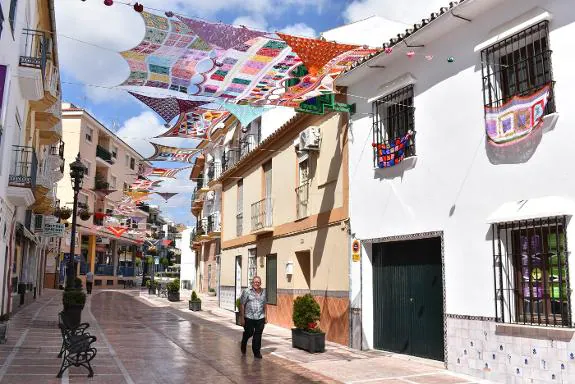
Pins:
x: 197, y: 124
x: 167, y: 195
x: 314, y: 53
x: 168, y: 107
x: 220, y: 35
x: 165, y: 153
x: 244, y: 113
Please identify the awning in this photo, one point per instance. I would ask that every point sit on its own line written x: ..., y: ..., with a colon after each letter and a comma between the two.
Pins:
x: 540, y: 207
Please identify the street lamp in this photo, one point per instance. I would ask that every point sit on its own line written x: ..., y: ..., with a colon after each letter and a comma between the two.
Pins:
x: 77, y: 172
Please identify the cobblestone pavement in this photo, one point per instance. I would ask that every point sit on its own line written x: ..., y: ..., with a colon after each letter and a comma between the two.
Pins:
x: 146, y: 339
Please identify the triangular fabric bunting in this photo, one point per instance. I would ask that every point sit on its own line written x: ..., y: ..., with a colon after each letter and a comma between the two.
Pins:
x: 167, y: 195
x: 315, y: 53
x: 244, y: 113
x: 167, y: 172
x: 166, y: 242
x: 144, y: 185
x: 165, y: 153
x: 221, y: 35
x: 137, y: 196
x: 144, y: 169
x: 117, y: 231
x: 168, y: 107
x: 197, y: 124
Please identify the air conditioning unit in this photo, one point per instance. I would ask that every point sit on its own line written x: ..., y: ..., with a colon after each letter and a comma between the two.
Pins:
x: 309, y: 139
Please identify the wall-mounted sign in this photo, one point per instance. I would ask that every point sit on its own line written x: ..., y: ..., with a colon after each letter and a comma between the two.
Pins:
x: 355, y: 250
x: 102, y: 240
x: 53, y: 230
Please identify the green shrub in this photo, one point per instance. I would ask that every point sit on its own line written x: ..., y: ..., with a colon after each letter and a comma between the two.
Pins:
x: 173, y: 286
x: 306, y: 313
x: 195, y: 297
x: 238, y: 304
x: 74, y: 297
x: 77, y: 283
x: 211, y: 290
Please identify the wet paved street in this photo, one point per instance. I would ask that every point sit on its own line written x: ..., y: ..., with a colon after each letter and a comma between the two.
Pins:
x: 159, y: 345
x: 146, y: 339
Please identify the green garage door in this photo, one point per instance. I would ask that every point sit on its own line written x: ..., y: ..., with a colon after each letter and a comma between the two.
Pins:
x: 408, y: 297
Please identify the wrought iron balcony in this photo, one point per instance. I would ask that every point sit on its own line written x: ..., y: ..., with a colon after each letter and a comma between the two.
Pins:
x: 200, y: 182
x: 23, y: 168
x: 230, y: 158
x: 214, y: 224
x: 302, y: 193
x: 35, y: 50
x: 248, y: 143
x: 104, y: 154
x: 214, y: 171
x: 262, y: 215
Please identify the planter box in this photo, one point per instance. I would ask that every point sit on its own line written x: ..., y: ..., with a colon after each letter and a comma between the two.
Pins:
x: 211, y: 293
x: 308, y: 341
x: 173, y: 296
x: 195, y: 305
x: 72, y: 315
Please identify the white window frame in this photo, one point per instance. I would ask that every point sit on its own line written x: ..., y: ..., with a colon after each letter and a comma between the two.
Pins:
x: 113, y: 181
x: 89, y: 134
x: 88, y: 165
x: 115, y: 151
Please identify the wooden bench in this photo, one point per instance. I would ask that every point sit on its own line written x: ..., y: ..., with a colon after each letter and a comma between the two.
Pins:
x: 77, y: 349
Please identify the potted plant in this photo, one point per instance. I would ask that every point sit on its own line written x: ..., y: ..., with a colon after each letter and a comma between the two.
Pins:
x: 4, y: 327
x: 174, y: 290
x: 74, y: 300
x: 238, y: 304
x: 211, y: 292
x: 151, y: 285
x: 195, y: 302
x: 84, y: 214
x: 64, y: 213
x: 307, y: 335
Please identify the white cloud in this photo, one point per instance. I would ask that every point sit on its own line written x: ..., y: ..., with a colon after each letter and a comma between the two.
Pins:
x: 299, y: 29
x: 256, y: 22
x: 138, y: 130
x: 407, y: 12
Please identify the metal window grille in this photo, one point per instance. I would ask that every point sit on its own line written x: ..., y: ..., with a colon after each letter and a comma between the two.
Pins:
x: 394, y: 117
x: 302, y: 193
x: 531, y: 272
x: 518, y: 66
x: 12, y: 15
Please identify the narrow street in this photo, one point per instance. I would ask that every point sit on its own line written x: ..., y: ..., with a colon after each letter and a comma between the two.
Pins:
x: 146, y: 339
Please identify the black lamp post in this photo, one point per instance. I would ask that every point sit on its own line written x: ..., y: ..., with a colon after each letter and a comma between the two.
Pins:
x: 77, y: 172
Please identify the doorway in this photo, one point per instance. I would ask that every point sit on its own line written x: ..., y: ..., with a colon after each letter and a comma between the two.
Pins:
x: 408, y: 297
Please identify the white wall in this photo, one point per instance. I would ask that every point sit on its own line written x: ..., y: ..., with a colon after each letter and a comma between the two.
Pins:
x: 274, y: 119
x: 371, y: 31
x: 188, y: 258
x: 453, y: 186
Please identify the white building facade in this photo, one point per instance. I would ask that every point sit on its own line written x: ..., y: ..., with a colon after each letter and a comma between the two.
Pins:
x: 30, y: 146
x: 464, y: 243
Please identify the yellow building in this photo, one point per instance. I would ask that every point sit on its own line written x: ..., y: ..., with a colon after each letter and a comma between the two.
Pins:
x: 284, y: 215
x: 112, y: 167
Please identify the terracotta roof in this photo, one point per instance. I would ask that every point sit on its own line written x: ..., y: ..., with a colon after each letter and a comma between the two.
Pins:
x: 408, y: 32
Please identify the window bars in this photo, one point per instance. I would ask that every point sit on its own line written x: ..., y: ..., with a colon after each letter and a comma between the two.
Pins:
x: 531, y: 272
x: 393, y: 118
x: 518, y: 66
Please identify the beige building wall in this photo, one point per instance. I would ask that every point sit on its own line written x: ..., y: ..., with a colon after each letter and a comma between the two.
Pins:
x: 316, y: 245
x: 82, y: 134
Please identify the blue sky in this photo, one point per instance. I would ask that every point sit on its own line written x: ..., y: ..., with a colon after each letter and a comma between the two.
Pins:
x: 90, y: 35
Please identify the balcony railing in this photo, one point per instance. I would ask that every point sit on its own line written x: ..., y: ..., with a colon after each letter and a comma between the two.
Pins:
x: 23, y: 168
x: 247, y: 144
x: 104, y: 154
x: 214, y: 171
x: 200, y: 182
x: 214, y: 224
x: 203, y: 226
x: 35, y: 50
x: 302, y: 193
x: 262, y: 214
x: 239, y: 224
x: 230, y: 158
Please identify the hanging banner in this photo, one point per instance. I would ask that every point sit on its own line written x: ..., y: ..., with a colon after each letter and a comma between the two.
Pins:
x: 165, y: 153
x: 392, y: 152
x: 167, y: 172
x: 168, y: 107
x: 234, y: 64
x: 137, y: 196
x: 144, y: 185
x: 198, y: 124
x: 167, y: 195
x: 517, y: 118
x: 117, y: 231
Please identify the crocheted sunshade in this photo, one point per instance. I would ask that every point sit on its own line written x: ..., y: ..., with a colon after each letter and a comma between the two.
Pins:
x: 314, y: 53
x: 168, y: 107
